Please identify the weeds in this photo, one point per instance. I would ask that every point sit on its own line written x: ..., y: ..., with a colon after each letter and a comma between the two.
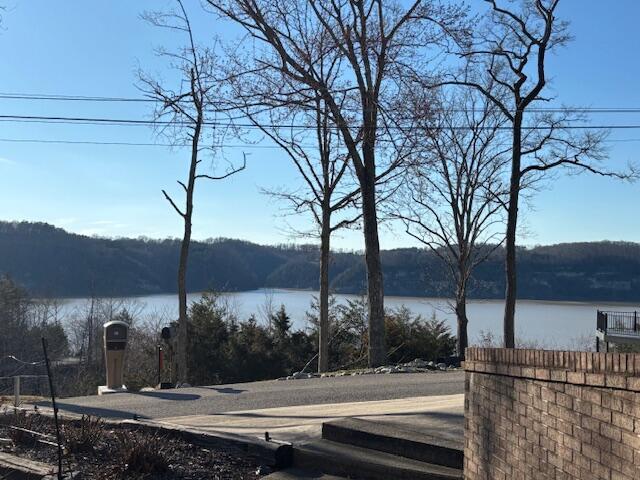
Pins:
x: 84, y: 435
x: 141, y: 454
x: 19, y: 427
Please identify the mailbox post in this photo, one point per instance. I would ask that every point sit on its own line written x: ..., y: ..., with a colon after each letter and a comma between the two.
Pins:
x: 115, y: 342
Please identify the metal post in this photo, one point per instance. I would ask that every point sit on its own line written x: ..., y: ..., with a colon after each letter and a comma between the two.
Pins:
x: 597, y: 343
x: 635, y: 321
x: 159, y: 365
x: 55, y: 408
x: 16, y: 391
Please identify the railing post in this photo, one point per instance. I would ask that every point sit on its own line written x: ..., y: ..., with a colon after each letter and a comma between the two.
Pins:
x: 16, y: 391
x: 635, y: 321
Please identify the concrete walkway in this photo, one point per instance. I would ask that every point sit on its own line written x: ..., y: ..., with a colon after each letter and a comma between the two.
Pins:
x: 442, y: 415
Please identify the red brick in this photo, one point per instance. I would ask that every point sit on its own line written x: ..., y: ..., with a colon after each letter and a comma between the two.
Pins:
x: 600, y: 413
x: 623, y: 421
x: 633, y: 383
x: 542, y: 374
x: 611, y: 399
x: 591, y: 452
x: 595, y: 379
x: 558, y: 375
x: 617, y: 368
x: 611, y: 431
x: 616, y: 381
x: 632, y: 440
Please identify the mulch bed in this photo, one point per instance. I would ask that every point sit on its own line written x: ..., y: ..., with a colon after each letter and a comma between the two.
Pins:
x: 125, y: 452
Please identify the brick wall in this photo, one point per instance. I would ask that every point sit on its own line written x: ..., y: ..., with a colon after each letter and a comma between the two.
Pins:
x: 533, y: 414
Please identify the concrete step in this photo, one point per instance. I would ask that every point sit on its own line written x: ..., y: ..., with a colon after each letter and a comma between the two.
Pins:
x: 397, y: 440
x: 298, y: 474
x: 362, y: 463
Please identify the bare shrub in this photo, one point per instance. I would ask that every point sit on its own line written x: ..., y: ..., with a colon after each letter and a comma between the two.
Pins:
x: 22, y: 423
x: 84, y: 435
x: 141, y: 455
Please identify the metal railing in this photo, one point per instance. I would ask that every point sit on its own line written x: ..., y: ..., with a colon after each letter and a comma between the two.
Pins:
x: 623, y: 323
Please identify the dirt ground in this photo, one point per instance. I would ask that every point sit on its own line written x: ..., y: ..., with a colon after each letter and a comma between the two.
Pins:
x: 99, y: 451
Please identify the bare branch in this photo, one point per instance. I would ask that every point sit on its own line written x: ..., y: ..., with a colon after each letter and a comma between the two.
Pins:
x: 175, y: 207
x: 228, y: 174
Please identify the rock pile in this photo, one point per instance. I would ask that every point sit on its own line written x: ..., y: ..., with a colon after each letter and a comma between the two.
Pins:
x: 415, y: 366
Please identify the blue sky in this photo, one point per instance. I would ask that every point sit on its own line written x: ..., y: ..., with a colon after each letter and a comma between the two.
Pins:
x: 78, y: 47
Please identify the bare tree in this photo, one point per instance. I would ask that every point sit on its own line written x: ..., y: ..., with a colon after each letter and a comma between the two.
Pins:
x: 507, y: 64
x: 182, y: 114
x: 324, y: 169
x: 379, y: 45
x: 452, y: 200
x: 272, y: 101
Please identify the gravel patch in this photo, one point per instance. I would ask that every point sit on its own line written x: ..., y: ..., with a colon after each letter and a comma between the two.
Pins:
x: 415, y: 366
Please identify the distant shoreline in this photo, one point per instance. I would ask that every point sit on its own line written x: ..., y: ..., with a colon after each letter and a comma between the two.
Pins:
x: 50, y: 263
x: 266, y: 291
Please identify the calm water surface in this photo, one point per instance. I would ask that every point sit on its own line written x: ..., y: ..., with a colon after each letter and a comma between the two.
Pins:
x: 553, y: 324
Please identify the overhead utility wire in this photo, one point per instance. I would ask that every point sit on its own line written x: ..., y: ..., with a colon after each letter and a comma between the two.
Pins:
x: 180, y: 145
x: 71, y: 98
x: 131, y: 122
x: 128, y: 144
x: 92, y: 98
x: 23, y: 362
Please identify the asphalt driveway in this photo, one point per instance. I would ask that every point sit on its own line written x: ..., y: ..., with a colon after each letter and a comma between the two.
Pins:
x: 268, y: 394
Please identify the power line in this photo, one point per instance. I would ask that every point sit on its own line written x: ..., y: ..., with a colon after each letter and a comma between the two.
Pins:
x: 128, y: 144
x: 153, y: 144
x: 23, y: 362
x: 138, y: 122
x: 94, y: 98
x: 623, y: 140
x: 71, y: 98
x: 86, y: 120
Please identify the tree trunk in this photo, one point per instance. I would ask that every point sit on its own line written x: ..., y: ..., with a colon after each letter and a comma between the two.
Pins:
x: 375, y: 294
x: 182, y: 359
x: 91, y: 330
x: 461, y: 315
x: 323, y: 331
x: 183, y: 336
x: 510, y: 239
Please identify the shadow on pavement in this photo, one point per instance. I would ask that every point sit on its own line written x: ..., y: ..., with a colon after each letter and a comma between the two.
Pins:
x: 164, y: 395
x: 113, y: 413
x: 440, y: 416
x: 95, y: 411
x: 227, y: 390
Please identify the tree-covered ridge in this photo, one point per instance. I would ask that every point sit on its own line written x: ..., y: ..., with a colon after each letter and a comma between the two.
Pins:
x: 50, y: 261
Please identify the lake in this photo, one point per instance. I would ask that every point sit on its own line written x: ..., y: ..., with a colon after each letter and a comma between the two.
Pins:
x: 551, y: 324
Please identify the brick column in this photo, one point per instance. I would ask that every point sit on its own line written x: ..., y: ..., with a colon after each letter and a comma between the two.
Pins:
x: 534, y: 414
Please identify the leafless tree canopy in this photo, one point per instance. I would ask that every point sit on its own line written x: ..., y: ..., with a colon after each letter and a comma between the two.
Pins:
x: 299, y: 122
x: 454, y: 194
x: 375, y: 49
x: 185, y: 111
x: 507, y: 63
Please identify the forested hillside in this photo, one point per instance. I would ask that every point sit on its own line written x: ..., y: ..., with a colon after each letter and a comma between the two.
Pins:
x: 49, y: 261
